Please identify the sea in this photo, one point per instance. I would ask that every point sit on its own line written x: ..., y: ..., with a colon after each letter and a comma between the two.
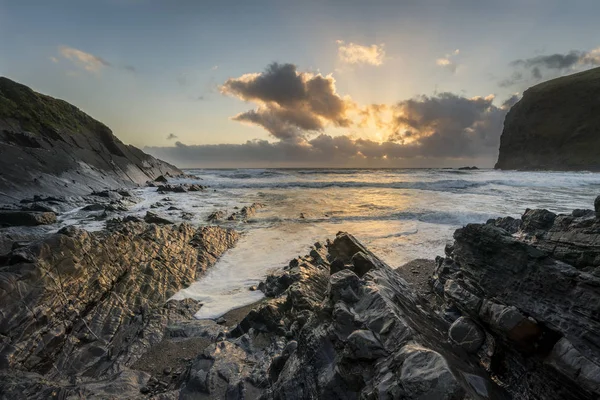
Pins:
x: 399, y: 214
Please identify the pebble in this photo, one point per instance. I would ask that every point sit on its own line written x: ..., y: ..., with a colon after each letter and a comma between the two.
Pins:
x: 167, y: 371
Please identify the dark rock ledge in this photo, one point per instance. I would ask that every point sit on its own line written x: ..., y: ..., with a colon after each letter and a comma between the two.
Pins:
x: 512, y: 311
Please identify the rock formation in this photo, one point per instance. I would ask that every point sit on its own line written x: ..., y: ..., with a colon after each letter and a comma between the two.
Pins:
x: 555, y: 126
x: 48, y: 146
x: 511, y: 312
x: 79, y: 308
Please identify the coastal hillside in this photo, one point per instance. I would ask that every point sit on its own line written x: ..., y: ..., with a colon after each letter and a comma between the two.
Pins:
x: 48, y: 146
x: 555, y: 126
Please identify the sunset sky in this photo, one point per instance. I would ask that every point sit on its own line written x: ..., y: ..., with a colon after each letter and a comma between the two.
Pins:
x: 302, y: 83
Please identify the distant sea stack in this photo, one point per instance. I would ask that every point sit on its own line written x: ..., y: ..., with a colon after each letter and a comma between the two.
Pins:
x: 50, y: 147
x: 555, y: 126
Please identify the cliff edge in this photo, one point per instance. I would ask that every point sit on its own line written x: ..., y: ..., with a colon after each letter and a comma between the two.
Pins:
x: 48, y: 146
x: 555, y: 126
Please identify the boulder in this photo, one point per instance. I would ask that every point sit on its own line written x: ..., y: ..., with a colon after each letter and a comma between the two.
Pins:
x: 26, y: 218
x: 153, y: 218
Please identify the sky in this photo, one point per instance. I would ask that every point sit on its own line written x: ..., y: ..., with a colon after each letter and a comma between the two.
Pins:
x: 347, y: 83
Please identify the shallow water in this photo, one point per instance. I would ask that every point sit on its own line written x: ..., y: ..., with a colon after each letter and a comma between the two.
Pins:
x: 399, y: 214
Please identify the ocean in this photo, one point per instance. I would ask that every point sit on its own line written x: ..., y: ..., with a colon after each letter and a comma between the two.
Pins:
x: 399, y: 214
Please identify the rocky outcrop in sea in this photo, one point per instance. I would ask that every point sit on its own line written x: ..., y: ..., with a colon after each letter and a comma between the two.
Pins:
x: 510, y: 312
x: 50, y: 147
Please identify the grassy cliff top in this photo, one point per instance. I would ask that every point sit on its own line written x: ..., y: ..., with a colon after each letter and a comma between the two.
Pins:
x: 38, y: 113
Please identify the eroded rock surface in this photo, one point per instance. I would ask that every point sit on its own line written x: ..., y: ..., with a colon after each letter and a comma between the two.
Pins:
x: 78, y: 308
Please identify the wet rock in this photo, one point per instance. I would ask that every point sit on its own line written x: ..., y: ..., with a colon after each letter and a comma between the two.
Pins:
x: 153, y: 218
x: 94, y: 207
x: 101, y: 307
x: 161, y: 179
x: 465, y: 333
x: 537, y: 219
x: 216, y: 216
x: 187, y: 216
x: 425, y: 375
x: 26, y: 218
x: 363, y: 345
x: 245, y: 213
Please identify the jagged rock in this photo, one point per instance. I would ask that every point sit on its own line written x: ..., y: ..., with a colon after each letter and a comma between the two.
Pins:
x: 534, y: 294
x: 153, y: 218
x: 161, y: 179
x: 509, y: 224
x: 88, y: 305
x: 26, y: 218
x: 245, y: 213
x: 216, y: 216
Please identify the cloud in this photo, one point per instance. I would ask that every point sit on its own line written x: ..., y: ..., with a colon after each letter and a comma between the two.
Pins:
x: 448, y: 125
x: 448, y: 62
x: 540, y: 67
x: 87, y: 61
x: 289, y: 103
x: 352, y: 53
x: 54, y: 60
x: 425, y: 130
x: 171, y: 136
x: 296, y: 108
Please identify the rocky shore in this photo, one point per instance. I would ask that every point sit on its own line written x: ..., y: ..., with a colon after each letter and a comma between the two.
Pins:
x: 511, y: 311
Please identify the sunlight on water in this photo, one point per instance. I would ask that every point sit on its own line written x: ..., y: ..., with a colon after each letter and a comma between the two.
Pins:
x: 399, y: 214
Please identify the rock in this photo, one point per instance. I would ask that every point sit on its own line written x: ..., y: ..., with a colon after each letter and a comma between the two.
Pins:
x: 167, y: 371
x: 54, y: 142
x: 26, y: 218
x: 465, y: 333
x: 245, y: 213
x: 426, y: 375
x: 597, y: 206
x: 161, y: 179
x: 94, y: 207
x: 187, y: 216
x: 509, y: 224
x: 109, y: 194
x: 554, y: 126
x: 216, y: 216
x: 537, y: 220
x: 221, y: 321
x: 362, y: 345
x: 153, y: 218
x: 102, y: 307
x: 468, y: 168
x: 253, y: 288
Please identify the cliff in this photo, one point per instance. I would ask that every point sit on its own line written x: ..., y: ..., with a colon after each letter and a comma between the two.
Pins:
x: 48, y: 146
x: 555, y: 126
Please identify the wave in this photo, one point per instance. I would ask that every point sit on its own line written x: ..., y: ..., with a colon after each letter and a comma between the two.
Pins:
x: 442, y: 185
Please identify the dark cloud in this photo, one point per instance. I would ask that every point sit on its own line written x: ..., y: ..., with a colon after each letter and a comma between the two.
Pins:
x: 171, y: 136
x: 550, y: 66
x: 290, y: 103
x: 445, y: 129
x: 296, y: 107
